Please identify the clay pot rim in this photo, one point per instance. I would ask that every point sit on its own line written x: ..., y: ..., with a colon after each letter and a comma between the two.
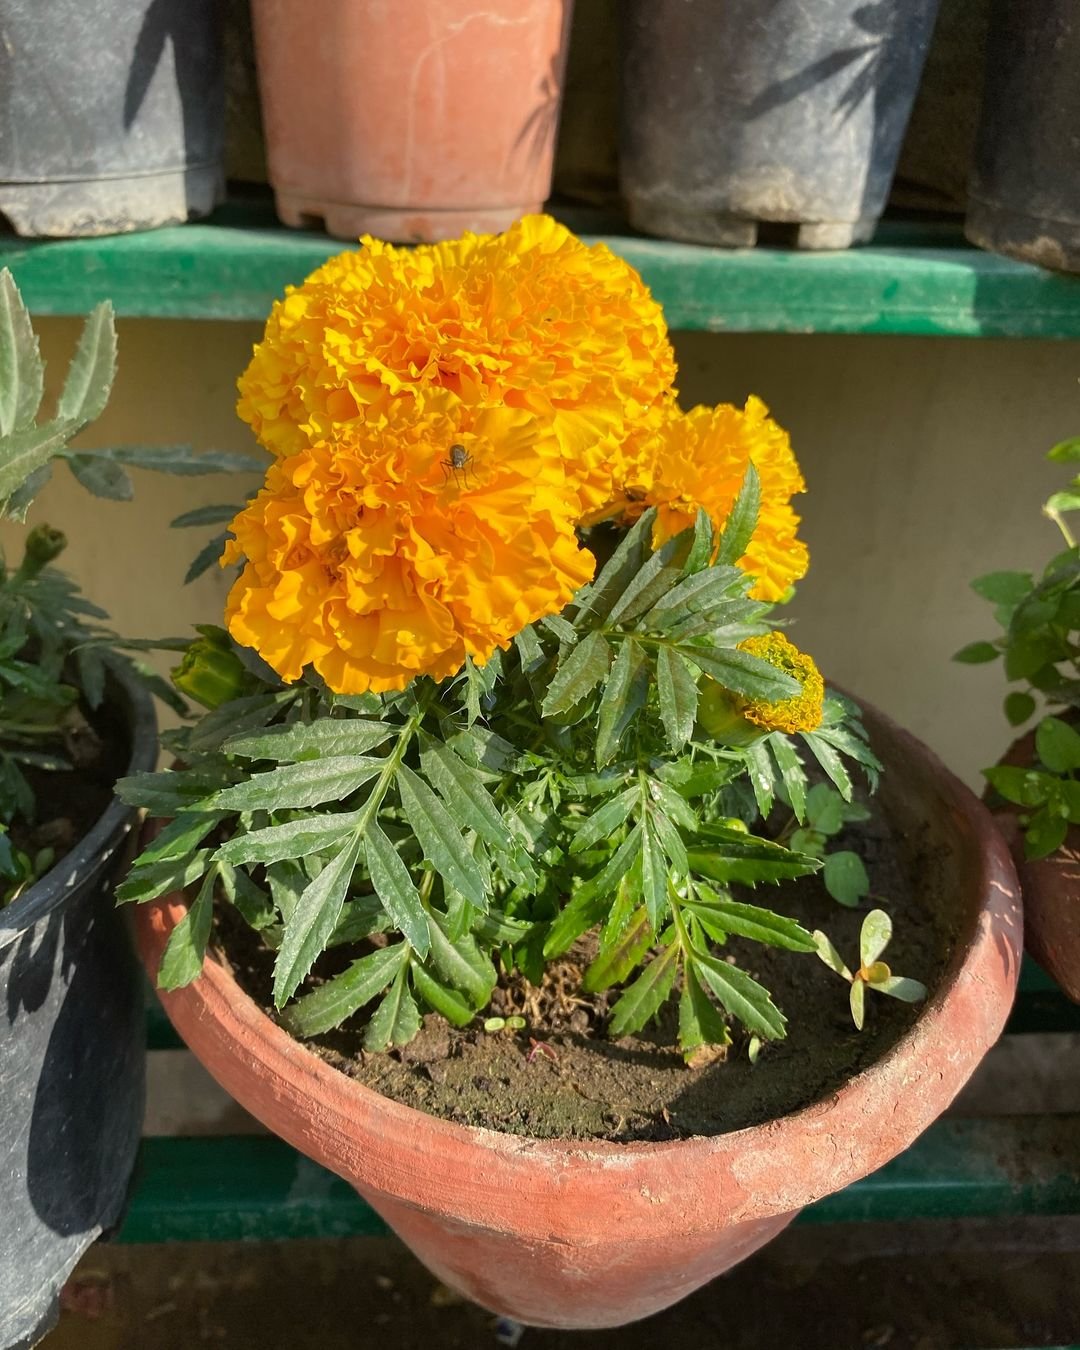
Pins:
x: 339, y: 1109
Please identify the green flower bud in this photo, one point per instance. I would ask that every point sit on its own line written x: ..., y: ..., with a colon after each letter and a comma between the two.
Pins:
x: 43, y: 544
x: 211, y: 673
x: 721, y: 718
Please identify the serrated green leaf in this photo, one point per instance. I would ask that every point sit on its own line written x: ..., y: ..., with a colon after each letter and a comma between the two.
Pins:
x: 185, y: 951
x: 578, y: 675
x: 741, y: 996
x: 440, y: 838
x: 792, y: 773
x: 26, y: 452
x: 206, y: 557
x: 329, y: 1005
x: 742, y: 519
x: 162, y: 878
x: 92, y: 370
x: 252, y: 902
x: 292, y: 786
x: 448, y: 1002
x: 325, y: 738
x: 167, y: 793
x: 845, y: 878
x: 103, y: 477
x: 294, y: 839
x: 21, y: 500
x: 657, y: 575
x: 654, y: 876
x: 463, y: 790
x: 830, y: 761
x: 220, y: 514
x: 461, y: 963
x: 603, y: 823
x: 237, y: 716
x: 678, y: 693
x: 615, y: 965
x: 623, y: 698
x: 699, y: 1022
x: 977, y: 653
x: 670, y: 841
x: 395, y: 888
x: 397, y: 1018
x: 179, y: 837
x: 729, y: 856
x: 644, y: 998
x: 22, y: 373
x: 1057, y: 745
x: 596, y: 599
x: 756, y: 923
x: 185, y: 461
x: 308, y: 927
x: 759, y: 768
x: 743, y: 673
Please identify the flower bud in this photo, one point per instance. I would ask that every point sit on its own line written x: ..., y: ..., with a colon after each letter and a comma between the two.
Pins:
x: 211, y: 673
x: 43, y: 545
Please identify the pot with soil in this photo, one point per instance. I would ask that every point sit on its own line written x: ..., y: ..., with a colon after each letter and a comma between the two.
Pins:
x: 451, y: 127
x: 1025, y: 187
x: 111, y: 114
x: 578, y: 1193
x: 72, y: 1039
x: 501, y: 752
x: 733, y: 118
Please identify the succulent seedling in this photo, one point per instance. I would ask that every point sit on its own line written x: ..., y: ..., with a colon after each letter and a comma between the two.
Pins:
x: 873, y: 972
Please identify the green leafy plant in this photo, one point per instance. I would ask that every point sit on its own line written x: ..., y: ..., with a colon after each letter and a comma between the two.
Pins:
x: 827, y: 813
x: 872, y: 973
x: 564, y: 792
x: 56, y: 652
x: 1040, y: 648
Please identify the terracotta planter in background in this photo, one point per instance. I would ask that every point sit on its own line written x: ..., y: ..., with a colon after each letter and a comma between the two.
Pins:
x: 571, y: 1234
x: 1050, y: 887
x: 411, y: 121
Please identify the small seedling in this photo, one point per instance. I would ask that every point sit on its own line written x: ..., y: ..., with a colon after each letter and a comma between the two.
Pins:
x: 872, y: 972
x: 504, y: 1024
x: 827, y: 813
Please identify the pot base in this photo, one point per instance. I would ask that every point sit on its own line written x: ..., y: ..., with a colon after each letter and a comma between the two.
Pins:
x: 1035, y: 239
x: 401, y: 225
x: 728, y: 230
x: 83, y: 208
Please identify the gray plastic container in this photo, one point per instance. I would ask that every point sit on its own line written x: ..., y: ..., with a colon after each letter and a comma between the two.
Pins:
x: 111, y: 114
x: 738, y: 112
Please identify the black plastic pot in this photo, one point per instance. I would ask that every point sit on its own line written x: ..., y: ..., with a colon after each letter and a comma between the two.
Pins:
x: 1025, y: 188
x: 746, y: 111
x: 111, y: 114
x: 72, y: 1059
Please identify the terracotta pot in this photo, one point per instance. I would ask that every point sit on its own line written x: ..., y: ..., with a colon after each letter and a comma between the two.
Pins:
x: 570, y: 1234
x: 1050, y: 887
x: 414, y: 120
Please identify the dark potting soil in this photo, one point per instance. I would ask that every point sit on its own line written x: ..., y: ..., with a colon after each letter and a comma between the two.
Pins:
x: 563, y: 1078
x: 97, y: 743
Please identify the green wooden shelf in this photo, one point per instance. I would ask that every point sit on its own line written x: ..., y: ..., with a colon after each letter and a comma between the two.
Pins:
x: 226, y: 1189
x: 918, y: 279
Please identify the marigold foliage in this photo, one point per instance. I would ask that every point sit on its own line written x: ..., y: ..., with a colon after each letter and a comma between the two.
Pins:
x: 801, y: 713
x: 682, y: 461
x: 531, y: 319
x: 403, y: 546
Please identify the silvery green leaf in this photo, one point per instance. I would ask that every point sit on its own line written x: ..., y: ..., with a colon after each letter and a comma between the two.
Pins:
x: 93, y: 367
x: 395, y: 888
x: 22, y: 372
x: 101, y: 476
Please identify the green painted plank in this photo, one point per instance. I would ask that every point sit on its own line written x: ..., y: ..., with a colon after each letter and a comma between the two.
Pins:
x: 914, y: 279
x: 211, y: 1189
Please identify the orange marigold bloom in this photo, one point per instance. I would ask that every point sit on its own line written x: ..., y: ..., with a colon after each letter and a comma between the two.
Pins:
x: 398, y: 549
x: 679, y: 462
x: 532, y: 319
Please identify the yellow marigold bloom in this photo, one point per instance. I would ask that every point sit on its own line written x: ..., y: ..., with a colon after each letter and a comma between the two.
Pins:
x: 801, y: 713
x: 679, y: 462
x: 531, y: 319
x: 398, y: 549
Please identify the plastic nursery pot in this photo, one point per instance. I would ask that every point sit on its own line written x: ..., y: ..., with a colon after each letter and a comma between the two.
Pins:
x: 1050, y: 887
x: 745, y: 112
x: 1025, y: 188
x: 411, y: 121
x: 112, y: 115
x: 72, y: 1045
x: 571, y: 1234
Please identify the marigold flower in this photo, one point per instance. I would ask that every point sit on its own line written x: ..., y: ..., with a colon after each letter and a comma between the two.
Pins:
x: 399, y: 548
x: 801, y: 713
x: 679, y: 462
x: 532, y: 319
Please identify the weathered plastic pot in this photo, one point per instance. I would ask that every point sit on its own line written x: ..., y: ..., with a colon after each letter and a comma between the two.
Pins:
x: 71, y: 1058
x: 571, y: 1234
x: 746, y: 112
x: 411, y: 121
x: 1025, y: 188
x: 111, y: 114
x: 1050, y: 887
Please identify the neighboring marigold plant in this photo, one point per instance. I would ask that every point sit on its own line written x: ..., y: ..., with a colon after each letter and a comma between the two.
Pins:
x: 435, y: 738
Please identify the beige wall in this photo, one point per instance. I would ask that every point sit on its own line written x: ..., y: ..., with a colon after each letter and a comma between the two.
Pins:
x: 923, y: 458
